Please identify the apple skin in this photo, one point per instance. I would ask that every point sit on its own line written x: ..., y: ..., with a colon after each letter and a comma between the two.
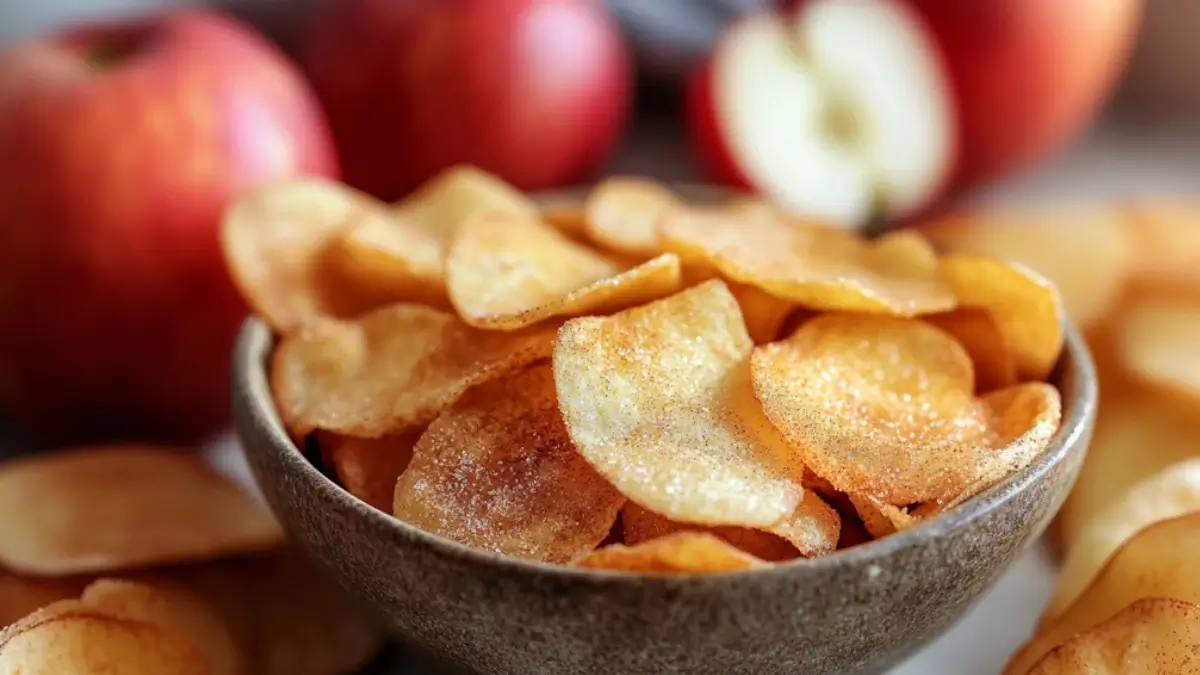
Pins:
x: 704, y: 132
x: 118, y: 314
x: 535, y: 91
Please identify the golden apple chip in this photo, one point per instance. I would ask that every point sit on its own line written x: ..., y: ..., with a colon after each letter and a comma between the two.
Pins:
x: 391, y: 371
x: 1166, y: 243
x: 455, y: 195
x: 1159, y: 343
x: 497, y: 471
x: 763, y: 313
x: 658, y: 399
x: 681, y: 553
x: 368, y: 468
x: 977, y: 332
x: 880, y: 519
x: 884, y: 407
x: 622, y: 214
x: 387, y: 257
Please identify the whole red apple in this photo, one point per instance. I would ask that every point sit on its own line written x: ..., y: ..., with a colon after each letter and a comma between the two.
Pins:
x: 120, y: 146
x: 534, y: 91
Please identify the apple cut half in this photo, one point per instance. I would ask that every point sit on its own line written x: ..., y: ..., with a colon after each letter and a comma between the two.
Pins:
x: 841, y: 110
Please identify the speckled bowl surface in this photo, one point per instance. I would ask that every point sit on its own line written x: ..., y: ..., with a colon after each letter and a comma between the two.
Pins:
x: 854, y: 612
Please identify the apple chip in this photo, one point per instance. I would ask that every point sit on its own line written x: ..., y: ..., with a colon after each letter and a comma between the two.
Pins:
x: 388, y: 257
x: 368, y: 468
x: 681, y: 552
x: 1157, y: 562
x: 114, y: 507
x: 506, y: 272
x: 658, y: 399
x: 977, y: 332
x: 883, y: 407
x: 568, y: 218
x: 1025, y: 306
x: 1154, y: 635
x: 1087, y: 253
x: 278, y: 241
x: 1166, y: 243
x: 763, y: 313
x: 810, y: 265
x: 391, y: 371
x: 880, y: 519
x: 622, y: 214
x: 497, y: 471
x: 456, y: 194
x: 1158, y: 341
x: 1172, y: 492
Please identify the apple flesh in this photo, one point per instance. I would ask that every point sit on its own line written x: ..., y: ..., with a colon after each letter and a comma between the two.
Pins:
x: 534, y: 91
x: 841, y: 110
x: 120, y: 146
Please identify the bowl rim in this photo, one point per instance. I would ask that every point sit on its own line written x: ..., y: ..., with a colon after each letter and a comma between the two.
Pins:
x: 256, y: 342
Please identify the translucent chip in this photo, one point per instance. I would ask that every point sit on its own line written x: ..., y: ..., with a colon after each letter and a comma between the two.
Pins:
x: 763, y: 313
x: 390, y: 371
x: 622, y: 214
x: 368, y: 468
x: 497, y: 471
x: 658, y: 399
x: 883, y: 407
x: 506, y: 272
x: 978, y: 333
x: 386, y: 256
x: 682, y: 552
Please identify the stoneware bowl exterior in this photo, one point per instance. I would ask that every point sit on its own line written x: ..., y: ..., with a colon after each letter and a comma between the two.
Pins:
x: 858, y: 611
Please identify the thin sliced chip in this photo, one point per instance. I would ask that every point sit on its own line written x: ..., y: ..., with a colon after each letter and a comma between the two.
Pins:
x: 388, y: 257
x: 1166, y: 243
x: 880, y: 519
x: 506, y: 272
x: 623, y: 213
x: 1157, y: 562
x: 1172, y: 492
x: 1153, y: 635
x: 22, y: 595
x: 368, y: 468
x: 681, y: 552
x: 390, y: 371
x: 1025, y: 306
x: 810, y: 265
x: 449, y: 199
x: 1087, y: 253
x: 763, y: 313
x: 977, y: 332
x: 658, y: 399
x: 277, y: 242
x: 114, y: 507
x: 569, y: 218
x: 497, y: 471
x: 883, y: 407
x: 1159, y: 343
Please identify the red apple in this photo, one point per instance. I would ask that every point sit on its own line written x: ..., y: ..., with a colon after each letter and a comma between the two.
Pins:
x: 841, y: 110
x: 120, y: 146
x: 534, y: 91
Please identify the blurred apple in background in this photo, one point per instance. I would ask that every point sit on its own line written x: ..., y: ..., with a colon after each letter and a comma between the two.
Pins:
x: 120, y: 146
x: 535, y: 91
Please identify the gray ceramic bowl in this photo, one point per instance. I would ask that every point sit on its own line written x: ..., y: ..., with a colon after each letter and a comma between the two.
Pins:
x: 855, y: 612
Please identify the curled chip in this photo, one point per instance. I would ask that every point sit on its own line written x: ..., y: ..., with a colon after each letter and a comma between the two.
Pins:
x: 506, y: 272
x: 880, y: 519
x: 368, y: 468
x: 1088, y: 253
x: 116, y: 507
x: 497, y: 471
x: 763, y: 313
x: 658, y: 399
x: 1154, y: 635
x: 1158, y: 341
x: 390, y: 371
x: 1172, y: 492
x: 1157, y: 562
x: 810, y: 265
x: 1026, y: 307
x: 456, y: 194
x: 680, y: 552
x: 977, y: 332
x: 622, y: 214
x: 883, y: 407
x: 387, y: 257
x: 278, y: 242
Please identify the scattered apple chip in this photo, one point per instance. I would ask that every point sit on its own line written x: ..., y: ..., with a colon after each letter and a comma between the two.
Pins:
x: 763, y: 313
x: 1157, y: 562
x: 810, y: 265
x: 368, y: 468
x: 497, y: 471
x: 277, y: 242
x: 658, y: 399
x: 390, y: 371
x: 1166, y: 243
x: 1159, y: 343
x: 681, y: 552
x: 1172, y: 492
x: 884, y: 407
x: 1087, y: 253
x: 622, y: 214
x: 1153, y: 635
x: 506, y: 272
x: 1025, y: 306
x: 115, y: 507
x: 977, y: 332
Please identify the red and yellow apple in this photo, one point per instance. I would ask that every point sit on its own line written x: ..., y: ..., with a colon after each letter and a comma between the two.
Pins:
x: 120, y: 146
x: 534, y: 91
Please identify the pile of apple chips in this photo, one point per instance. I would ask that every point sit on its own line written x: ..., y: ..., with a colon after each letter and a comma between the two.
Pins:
x: 636, y: 382
x: 1128, y: 596
x: 144, y: 561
